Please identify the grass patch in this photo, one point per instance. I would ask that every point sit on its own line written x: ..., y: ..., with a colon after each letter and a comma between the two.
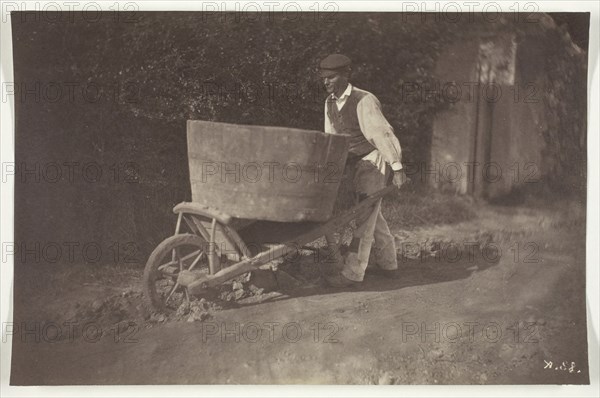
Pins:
x: 423, y: 206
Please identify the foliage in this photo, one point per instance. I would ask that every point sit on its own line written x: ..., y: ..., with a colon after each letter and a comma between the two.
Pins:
x: 156, y: 70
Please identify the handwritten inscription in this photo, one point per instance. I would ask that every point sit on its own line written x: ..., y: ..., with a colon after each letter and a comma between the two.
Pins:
x: 564, y: 366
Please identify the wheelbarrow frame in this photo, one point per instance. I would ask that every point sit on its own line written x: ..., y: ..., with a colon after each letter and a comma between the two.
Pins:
x: 197, y: 218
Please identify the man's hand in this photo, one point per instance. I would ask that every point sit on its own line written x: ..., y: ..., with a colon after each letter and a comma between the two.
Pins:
x: 400, y: 178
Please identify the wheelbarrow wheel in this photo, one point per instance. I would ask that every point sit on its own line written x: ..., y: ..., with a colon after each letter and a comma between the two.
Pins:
x: 179, y: 252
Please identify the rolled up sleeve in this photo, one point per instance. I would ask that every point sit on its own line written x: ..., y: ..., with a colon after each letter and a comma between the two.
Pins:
x: 377, y: 130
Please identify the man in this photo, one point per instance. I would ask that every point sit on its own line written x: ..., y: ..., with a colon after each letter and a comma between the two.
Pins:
x: 374, y: 152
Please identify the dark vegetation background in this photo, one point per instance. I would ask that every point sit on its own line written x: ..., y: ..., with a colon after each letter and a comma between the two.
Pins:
x: 156, y: 70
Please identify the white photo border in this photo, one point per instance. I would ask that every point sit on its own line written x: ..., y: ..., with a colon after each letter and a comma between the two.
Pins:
x: 7, y: 140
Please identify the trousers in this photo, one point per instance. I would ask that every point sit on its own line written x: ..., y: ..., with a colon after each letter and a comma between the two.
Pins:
x: 372, y: 236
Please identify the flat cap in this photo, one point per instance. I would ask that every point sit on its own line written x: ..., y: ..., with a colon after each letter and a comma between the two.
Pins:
x: 333, y: 64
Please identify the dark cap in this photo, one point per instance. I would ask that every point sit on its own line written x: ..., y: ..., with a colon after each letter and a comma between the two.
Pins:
x: 334, y: 63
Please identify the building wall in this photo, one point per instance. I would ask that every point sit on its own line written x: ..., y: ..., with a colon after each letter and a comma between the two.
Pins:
x: 454, y: 128
x: 495, y: 136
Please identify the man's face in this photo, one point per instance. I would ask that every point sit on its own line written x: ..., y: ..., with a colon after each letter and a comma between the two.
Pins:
x: 336, y: 83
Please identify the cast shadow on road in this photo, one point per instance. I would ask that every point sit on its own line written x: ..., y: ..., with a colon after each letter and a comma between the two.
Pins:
x: 415, y: 273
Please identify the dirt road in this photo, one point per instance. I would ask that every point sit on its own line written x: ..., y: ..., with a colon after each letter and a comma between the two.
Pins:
x: 513, y: 315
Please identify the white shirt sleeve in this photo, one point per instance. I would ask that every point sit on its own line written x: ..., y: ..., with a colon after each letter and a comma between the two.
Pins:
x: 378, y: 131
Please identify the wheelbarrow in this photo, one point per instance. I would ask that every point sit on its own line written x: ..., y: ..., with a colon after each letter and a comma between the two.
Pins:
x: 191, y: 262
x: 232, y: 226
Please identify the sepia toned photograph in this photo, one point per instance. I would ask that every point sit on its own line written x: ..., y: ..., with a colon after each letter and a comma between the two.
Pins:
x: 262, y: 193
